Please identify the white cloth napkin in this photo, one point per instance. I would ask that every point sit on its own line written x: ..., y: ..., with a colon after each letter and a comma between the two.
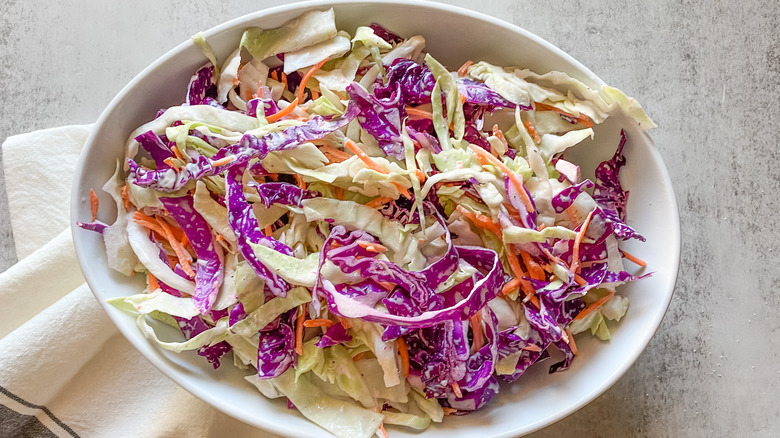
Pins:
x: 65, y: 370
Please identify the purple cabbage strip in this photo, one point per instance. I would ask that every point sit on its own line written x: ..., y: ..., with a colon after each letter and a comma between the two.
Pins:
x: 202, y: 88
x: 334, y: 335
x: 281, y: 193
x: 247, y: 148
x: 385, y: 34
x: 473, y: 400
x: 380, y: 117
x: 483, y: 291
x: 209, y: 272
x: 566, y: 197
x: 414, y: 81
x: 95, y: 226
x: 528, y: 219
x: 276, y: 351
x: 158, y: 150
x: 244, y: 224
x: 480, y: 94
x: 194, y: 326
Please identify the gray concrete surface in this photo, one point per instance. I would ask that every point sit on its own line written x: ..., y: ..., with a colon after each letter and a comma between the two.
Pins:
x: 706, y: 71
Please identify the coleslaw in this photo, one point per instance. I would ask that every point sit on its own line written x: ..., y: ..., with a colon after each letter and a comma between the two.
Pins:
x: 371, y: 236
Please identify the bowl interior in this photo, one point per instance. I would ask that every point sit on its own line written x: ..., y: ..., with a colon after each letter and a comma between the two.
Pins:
x: 453, y: 36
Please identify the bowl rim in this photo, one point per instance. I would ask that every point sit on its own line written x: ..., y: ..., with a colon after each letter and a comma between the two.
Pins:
x: 674, y: 236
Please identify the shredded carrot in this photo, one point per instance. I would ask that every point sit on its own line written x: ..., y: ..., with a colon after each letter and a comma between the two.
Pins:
x: 378, y: 202
x: 286, y: 111
x: 223, y: 161
x: 582, y: 119
x: 314, y: 94
x: 153, y: 284
x: 220, y: 238
x: 268, y: 230
x: 420, y: 175
x: 465, y: 68
x: 373, y: 247
x: 344, y: 322
x: 499, y: 134
x: 169, y: 161
x: 634, y: 259
x: 338, y: 192
x: 299, y: 329
x: 532, y: 131
x: 125, y: 197
x: 536, y: 271
x: 299, y: 180
x: 308, y: 76
x: 476, y: 330
x: 148, y: 222
x: 184, y: 241
x: 275, y: 75
x: 373, y: 165
x: 93, y: 204
x: 334, y: 155
x: 181, y: 253
x: 480, y: 220
x: 404, y: 352
x: 575, y: 255
x: 586, y: 311
x: 420, y: 114
x: 448, y: 411
x: 387, y: 285
x: 358, y: 356
x: 571, y: 343
x: 456, y: 390
x: 383, y: 430
x: 318, y: 323
x: 177, y: 152
x: 284, y: 81
x: 525, y: 286
x: 484, y: 155
x: 510, y: 285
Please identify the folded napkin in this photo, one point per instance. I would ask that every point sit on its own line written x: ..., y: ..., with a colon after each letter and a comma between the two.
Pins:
x: 65, y: 370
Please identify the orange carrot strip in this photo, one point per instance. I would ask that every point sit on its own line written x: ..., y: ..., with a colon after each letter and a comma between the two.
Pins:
x: 314, y: 94
x: 518, y: 183
x: 480, y: 220
x: 338, y: 192
x: 510, y: 285
x: 318, y: 323
x: 373, y: 247
x: 420, y: 175
x: 333, y: 154
x: 299, y: 180
x: 387, y: 285
x: 358, y: 356
x: 476, y: 330
x: 177, y: 152
x: 465, y: 68
x: 93, y: 204
x: 299, y: 329
x: 344, y: 322
x: 153, y: 284
x: 536, y: 271
x: 525, y: 286
x: 125, y: 197
x: 286, y: 111
x: 169, y: 161
x: 383, y: 430
x: 184, y: 256
x: 499, y: 134
x: 571, y: 343
x: 147, y: 222
x: 532, y: 347
x: 404, y: 352
x: 586, y: 311
x: 378, y: 202
x: 575, y: 256
x: 223, y: 161
x: 308, y: 76
x: 373, y: 165
x: 634, y: 259
x: 456, y: 390
x: 582, y: 119
x: 268, y: 230
x: 448, y: 411
x: 284, y: 80
x: 532, y: 131
x: 420, y: 114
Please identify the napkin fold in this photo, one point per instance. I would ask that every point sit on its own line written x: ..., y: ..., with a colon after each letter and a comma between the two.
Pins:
x: 65, y: 370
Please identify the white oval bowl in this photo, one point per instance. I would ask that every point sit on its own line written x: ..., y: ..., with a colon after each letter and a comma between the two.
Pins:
x: 453, y: 36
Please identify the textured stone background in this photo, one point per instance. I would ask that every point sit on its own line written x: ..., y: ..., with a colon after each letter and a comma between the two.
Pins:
x: 706, y: 71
